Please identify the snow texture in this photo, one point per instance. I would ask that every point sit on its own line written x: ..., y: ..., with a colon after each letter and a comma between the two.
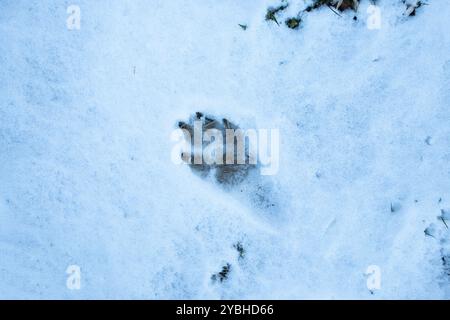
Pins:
x: 86, y: 177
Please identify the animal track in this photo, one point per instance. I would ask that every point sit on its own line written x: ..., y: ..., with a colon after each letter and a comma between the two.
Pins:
x: 237, y: 177
x: 439, y: 231
x: 225, y: 173
x: 222, y: 275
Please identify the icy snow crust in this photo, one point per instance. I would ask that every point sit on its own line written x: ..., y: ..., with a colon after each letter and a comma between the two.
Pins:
x: 85, y: 171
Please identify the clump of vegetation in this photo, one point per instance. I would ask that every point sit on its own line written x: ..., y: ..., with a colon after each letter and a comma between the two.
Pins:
x: 222, y: 275
x: 347, y: 4
x: 293, y: 23
x: 273, y: 11
x: 340, y: 5
x: 336, y: 6
x: 412, y: 7
x: 240, y: 249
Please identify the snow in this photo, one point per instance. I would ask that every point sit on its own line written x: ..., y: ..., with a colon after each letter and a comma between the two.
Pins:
x: 86, y: 177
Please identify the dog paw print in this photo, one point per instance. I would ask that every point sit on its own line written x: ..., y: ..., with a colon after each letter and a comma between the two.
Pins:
x: 217, y: 149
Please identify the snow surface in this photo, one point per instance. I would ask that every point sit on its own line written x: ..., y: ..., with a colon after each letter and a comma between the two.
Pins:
x: 85, y: 171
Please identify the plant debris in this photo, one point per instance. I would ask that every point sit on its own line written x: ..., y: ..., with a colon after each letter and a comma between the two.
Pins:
x: 430, y: 231
x: 293, y: 23
x: 243, y: 26
x: 340, y: 5
x: 272, y: 12
x: 444, y: 217
x: 412, y: 7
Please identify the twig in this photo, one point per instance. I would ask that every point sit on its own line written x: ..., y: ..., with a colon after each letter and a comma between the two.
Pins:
x: 443, y: 220
x: 333, y: 10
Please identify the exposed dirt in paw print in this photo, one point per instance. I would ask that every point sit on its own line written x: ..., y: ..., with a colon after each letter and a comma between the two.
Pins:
x: 225, y: 170
x: 231, y: 164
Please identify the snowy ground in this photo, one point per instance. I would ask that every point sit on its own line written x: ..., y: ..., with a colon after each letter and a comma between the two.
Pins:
x: 86, y: 177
